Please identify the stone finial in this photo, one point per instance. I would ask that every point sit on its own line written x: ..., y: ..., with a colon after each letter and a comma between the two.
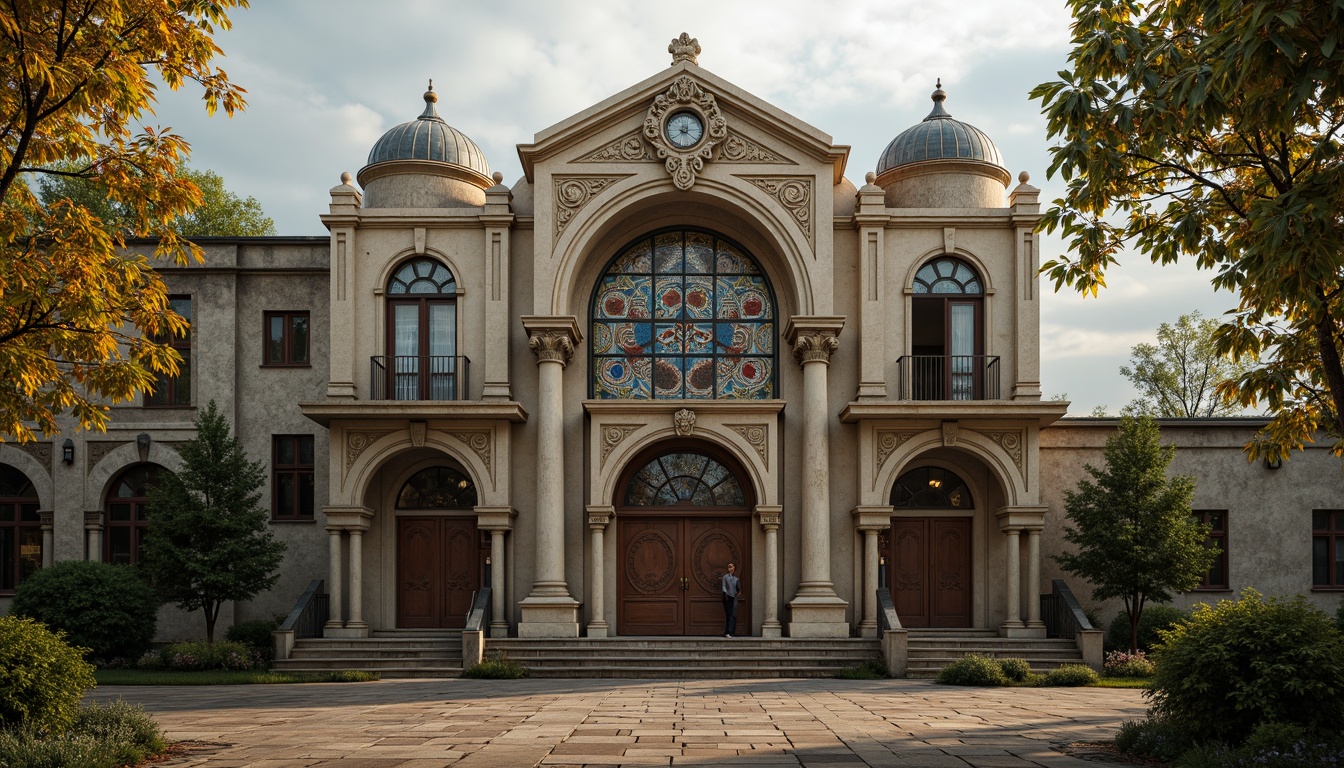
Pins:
x: 346, y: 178
x: 498, y: 177
x: 684, y: 48
x: 1024, y: 177
x: 869, y: 177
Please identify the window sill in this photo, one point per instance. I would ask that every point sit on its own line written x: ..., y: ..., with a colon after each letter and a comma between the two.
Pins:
x: 1206, y: 590
x: 285, y: 365
x: 294, y: 520
x: 167, y: 407
x: 1328, y: 589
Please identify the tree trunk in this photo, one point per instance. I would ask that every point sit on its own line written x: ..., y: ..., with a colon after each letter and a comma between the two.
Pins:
x: 1134, y: 631
x: 1330, y: 366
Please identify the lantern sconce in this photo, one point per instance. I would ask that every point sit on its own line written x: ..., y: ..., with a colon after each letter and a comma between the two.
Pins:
x: 142, y: 442
x: 68, y: 451
x: 1274, y: 463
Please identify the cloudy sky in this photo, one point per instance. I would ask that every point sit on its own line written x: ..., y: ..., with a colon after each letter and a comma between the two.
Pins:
x: 326, y: 78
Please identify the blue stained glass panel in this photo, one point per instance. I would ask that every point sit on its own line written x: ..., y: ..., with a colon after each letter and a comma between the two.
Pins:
x: 667, y: 338
x: 699, y: 297
x: 668, y: 298
x: 623, y: 296
x: 638, y: 259
x: 699, y: 338
x: 667, y: 375
x: 731, y: 261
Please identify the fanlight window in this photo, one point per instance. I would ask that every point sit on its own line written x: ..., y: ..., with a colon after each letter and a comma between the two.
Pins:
x: 422, y: 276
x: 684, y: 479
x: 683, y: 314
x: 947, y: 275
x: 931, y: 488
x: 437, y: 488
x: 14, y: 484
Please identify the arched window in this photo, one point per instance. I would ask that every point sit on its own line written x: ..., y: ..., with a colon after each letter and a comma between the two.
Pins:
x: 421, y: 335
x: 20, y: 528
x: 128, y: 514
x: 683, y: 314
x: 947, y: 340
x: 684, y: 479
x: 437, y: 488
x: 930, y: 488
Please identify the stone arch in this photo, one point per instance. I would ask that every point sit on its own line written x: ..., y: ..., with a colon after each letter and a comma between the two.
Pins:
x: 406, y: 254
x: 595, y: 234
x: 748, y: 461
x: 986, y: 277
x: 38, y: 475
x: 122, y: 458
x: 388, y: 447
x: 999, y: 463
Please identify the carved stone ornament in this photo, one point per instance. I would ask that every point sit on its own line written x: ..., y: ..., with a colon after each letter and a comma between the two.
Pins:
x: 631, y: 148
x: 615, y: 434
x: 1011, y: 443
x: 356, y: 442
x: 685, y: 95
x: 794, y: 194
x: 755, y: 435
x: 950, y: 431
x: 683, y: 422
x: 549, y: 345
x: 38, y: 450
x: 684, y: 48
x: 479, y: 443
x: 738, y: 149
x: 572, y: 193
x: 418, y: 429
x: 98, y: 449
x: 812, y: 346
x: 598, y: 519
x: 770, y: 519
x: 887, y: 443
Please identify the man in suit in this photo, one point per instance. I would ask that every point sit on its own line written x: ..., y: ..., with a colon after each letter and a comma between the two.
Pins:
x: 729, y: 586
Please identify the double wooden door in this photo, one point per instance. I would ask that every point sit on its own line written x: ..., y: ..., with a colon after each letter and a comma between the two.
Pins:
x: 669, y: 571
x: 929, y: 570
x: 438, y: 571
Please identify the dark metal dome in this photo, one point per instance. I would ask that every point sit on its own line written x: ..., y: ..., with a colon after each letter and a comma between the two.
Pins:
x: 939, y: 137
x: 429, y: 138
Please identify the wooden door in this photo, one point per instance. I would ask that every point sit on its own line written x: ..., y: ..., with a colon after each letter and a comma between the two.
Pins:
x: 438, y: 571
x: 669, y: 570
x: 929, y: 571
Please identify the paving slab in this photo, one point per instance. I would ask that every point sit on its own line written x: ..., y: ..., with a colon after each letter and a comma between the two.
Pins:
x: 529, y: 723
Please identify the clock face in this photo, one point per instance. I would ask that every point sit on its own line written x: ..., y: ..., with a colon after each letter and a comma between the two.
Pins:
x: 684, y: 129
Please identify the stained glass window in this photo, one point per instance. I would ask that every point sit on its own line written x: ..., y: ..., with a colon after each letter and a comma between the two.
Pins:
x: 931, y: 488
x: 684, y: 479
x: 683, y: 314
x: 947, y: 275
x: 437, y: 488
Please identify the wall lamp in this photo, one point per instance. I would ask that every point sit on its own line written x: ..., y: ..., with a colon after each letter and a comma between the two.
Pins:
x: 68, y: 451
x: 1274, y: 463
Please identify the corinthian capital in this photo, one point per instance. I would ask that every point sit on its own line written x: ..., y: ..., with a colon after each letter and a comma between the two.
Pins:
x: 813, y: 338
x: 552, y: 338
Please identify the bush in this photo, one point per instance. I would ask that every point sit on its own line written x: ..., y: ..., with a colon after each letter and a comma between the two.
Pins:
x: 1236, y: 666
x: 100, y: 737
x: 1272, y: 745
x: 1154, y: 738
x: 872, y: 669
x: 496, y: 666
x: 1339, y: 616
x: 1122, y: 664
x: 1016, y: 670
x: 973, y: 669
x: 256, y: 634
x: 198, y: 657
x: 1071, y: 676
x: 105, y: 608
x: 1154, y: 618
x: 41, y: 677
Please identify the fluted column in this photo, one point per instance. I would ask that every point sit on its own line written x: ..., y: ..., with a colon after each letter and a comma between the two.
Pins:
x: 816, y: 610
x: 769, y: 519
x: 1034, y: 580
x: 549, y: 610
x: 1014, y: 580
x: 334, y: 609
x: 598, y: 519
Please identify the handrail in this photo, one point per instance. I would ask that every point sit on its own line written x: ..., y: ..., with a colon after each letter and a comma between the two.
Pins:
x: 886, y: 612
x: 419, y: 377
x: 1063, y: 615
x: 308, y: 615
x: 948, y: 377
x: 479, y: 616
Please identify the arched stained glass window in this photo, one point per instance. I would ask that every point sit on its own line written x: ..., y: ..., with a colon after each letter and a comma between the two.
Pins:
x: 422, y: 276
x: 437, y: 488
x: 947, y: 275
x: 684, y: 479
x: 683, y: 314
x: 931, y: 488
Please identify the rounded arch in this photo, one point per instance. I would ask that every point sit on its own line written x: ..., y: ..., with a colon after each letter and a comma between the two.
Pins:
x: 1001, y: 466
x: 394, y: 445
x: 34, y: 471
x: 930, y: 486
x: 119, y: 459
x: 408, y: 255
x: 933, y: 254
x: 437, y: 487
x: 745, y: 461
x: 594, y: 235
x: 683, y: 473
x: 126, y: 512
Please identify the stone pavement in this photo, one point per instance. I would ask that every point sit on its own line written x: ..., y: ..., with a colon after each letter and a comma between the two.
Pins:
x: 558, y: 723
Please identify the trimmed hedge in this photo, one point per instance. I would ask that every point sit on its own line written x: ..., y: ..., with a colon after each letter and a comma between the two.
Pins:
x: 41, y: 677
x: 105, y: 608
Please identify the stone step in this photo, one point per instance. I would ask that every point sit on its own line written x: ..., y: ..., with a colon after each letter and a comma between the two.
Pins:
x: 374, y: 653
x: 391, y: 645
x: 384, y: 667
x: 686, y: 658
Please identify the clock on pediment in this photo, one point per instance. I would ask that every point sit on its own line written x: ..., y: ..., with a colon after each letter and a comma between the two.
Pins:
x: 684, y: 129
x: 684, y: 125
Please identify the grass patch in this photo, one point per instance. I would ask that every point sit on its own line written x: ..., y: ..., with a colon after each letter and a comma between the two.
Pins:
x: 872, y: 669
x: 496, y: 666
x: 1122, y: 682
x: 218, y: 677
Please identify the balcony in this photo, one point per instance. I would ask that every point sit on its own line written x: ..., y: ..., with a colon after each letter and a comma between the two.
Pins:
x: 948, y: 377
x: 418, y: 377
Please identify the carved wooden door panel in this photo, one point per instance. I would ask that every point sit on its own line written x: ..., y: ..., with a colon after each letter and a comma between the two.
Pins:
x: 908, y: 563
x: 669, y: 570
x: 711, y: 545
x: 438, y: 570
x: 929, y: 571
x: 950, y: 600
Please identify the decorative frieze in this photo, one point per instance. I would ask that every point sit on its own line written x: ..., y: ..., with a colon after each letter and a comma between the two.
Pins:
x: 615, y: 434
x: 98, y: 449
x: 795, y: 194
x: 41, y: 451
x: 739, y: 149
x: 573, y: 193
x: 631, y: 148
x: 756, y: 436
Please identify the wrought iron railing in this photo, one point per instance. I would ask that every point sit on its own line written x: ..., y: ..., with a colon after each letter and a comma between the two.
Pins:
x: 949, y: 377
x: 418, y: 377
x: 1062, y: 614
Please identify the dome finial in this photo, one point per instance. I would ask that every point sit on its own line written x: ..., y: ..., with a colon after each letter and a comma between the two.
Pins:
x: 939, y: 96
x: 684, y: 48
x: 431, y: 98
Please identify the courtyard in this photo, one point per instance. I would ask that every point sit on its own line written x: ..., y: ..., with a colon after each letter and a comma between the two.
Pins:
x: 759, y: 723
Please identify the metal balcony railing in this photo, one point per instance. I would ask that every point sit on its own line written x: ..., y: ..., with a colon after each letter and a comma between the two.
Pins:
x: 418, y: 377
x: 949, y: 377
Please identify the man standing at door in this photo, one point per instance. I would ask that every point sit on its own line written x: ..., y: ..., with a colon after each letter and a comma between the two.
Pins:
x: 729, y: 586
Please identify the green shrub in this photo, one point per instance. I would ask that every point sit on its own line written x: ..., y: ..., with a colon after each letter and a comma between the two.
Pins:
x: 201, y: 657
x: 1339, y: 616
x: 348, y: 676
x: 1154, y: 618
x: 973, y: 669
x: 1238, y: 665
x: 256, y: 634
x: 1071, y: 676
x: 41, y: 677
x: 105, y: 608
x: 872, y: 669
x: 1154, y: 738
x: 126, y: 731
x: 1016, y: 670
x: 1272, y: 745
x: 496, y: 666
x: 1124, y: 664
x: 99, y: 737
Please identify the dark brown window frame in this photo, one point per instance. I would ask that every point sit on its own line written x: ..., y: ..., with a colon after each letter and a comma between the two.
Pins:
x: 21, y: 506
x: 1216, y: 536
x: 287, y: 317
x: 138, y: 514
x: 297, y: 470
x: 1331, y: 534
x: 165, y: 392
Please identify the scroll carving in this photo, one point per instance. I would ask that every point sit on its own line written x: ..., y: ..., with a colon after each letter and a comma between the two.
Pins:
x: 356, y: 442
x: 479, y: 443
x: 572, y: 193
x: 685, y: 164
x: 887, y: 443
x: 38, y: 450
x: 738, y: 149
x: 811, y: 346
x: 756, y: 436
x: 1011, y: 443
x: 628, y: 149
x: 99, y: 449
x: 615, y: 434
x: 794, y: 194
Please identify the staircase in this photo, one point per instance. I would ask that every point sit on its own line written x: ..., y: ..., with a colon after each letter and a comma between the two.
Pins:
x: 398, y: 653
x: 686, y: 658
x: 933, y: 649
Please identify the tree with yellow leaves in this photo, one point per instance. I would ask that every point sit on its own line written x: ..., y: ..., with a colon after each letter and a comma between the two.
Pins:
x: 83, y: 323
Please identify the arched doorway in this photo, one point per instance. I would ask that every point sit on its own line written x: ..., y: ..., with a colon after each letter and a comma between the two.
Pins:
x: 682, y: 515
x: 929, y: 556
x: 438, y: 549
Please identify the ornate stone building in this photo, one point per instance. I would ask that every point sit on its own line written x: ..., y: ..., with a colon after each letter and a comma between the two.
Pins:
x: 683, y: 338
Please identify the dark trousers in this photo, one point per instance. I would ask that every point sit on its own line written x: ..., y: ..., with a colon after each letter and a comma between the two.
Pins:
x: 729, y: 615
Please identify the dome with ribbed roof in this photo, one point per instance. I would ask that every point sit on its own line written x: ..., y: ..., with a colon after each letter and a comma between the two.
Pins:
x: 429, y: 138
x: 939, y: 137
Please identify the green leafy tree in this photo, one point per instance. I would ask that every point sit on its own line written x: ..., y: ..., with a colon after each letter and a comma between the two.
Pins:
x: 1177, y: 377
x: 83, y: 323
x: 1131, y: 525
x: 209, y: 542
x: 1210, y: 130
x: 221, y: 213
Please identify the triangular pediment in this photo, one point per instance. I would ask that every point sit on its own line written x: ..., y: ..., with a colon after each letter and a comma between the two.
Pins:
x: 756, y: 132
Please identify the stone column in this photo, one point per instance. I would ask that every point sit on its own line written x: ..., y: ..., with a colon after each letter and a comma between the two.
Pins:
x: 334, y: 607
x: 768, y: 515
x: 549, y: 611
x: 1014, y: 581
x: 816, y: 610
x: 93, y: 528
x: 355, y: 521
x: 356, y: 622
x: 598, y: 519
x: 48, y: 537
x: 870, y: 522
x: 1034, y: 581
x: 498, y: 521
x: 1013, y: 521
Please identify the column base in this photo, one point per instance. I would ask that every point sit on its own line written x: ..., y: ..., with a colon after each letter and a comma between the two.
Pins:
x: 868, y: 628
x: 1018, y: 629
x: 772, y: 630
x: 818, y: 617
x: 548, y: 617
x: 499, y: 629
x: 351, y: 629
x: 598, y: 629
